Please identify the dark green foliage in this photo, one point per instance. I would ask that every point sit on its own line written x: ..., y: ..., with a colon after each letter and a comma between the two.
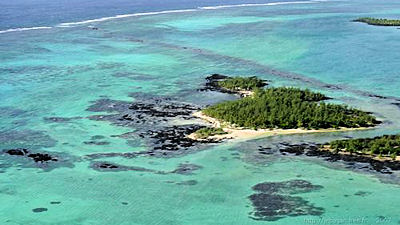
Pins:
x: 242, y: 83
x: 288, y: 108
x: 388, y: 145
x: 378, y: 22
x: 208, y: 131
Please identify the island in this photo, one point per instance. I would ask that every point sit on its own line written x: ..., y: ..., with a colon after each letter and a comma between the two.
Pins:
x: 277, y: 110
x: 381, y: 147
x: 242, y: 86
x: 378, y: 22
x: 205, y: 133
x: 382, y: 153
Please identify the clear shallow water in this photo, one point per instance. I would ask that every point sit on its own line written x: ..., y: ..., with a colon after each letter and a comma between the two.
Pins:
x: 59, y: 73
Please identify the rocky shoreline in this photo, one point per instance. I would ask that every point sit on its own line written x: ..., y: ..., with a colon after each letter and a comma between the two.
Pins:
x: 155, y: 121
x: 212, y: 84
x: 233, y: 132
x: 365, y: 162
x: 155, y: 115
x: 163, y: 123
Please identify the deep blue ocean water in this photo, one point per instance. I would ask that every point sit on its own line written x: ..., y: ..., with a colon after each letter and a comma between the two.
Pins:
x: 38, y: 13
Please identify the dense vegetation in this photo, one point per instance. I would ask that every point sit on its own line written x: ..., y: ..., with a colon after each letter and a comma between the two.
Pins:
x: 378, y: 22
x: 288, y: 108
x: 204, y: 133
x: 241, y: 83
x: 384, y: 145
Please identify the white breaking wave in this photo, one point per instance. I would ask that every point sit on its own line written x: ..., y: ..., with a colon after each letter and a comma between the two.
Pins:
x: 124, y: 16
x: 23, y: 29
x: 257, y: 4
x: 71, y: 24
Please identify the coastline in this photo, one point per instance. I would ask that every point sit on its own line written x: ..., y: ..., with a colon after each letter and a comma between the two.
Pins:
x: 323, y: 151
x: 374, y: 157
x: 241, y: 133
x: 384, y: 164
x: 244, y: 133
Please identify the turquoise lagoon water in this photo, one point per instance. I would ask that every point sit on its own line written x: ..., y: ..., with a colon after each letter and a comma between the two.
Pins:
x: 60, y: 72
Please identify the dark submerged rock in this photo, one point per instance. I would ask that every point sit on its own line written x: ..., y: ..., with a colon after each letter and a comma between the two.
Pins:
x: 174, y: 138
x: 18, y: 151
x: 331, y: 86
x: 108, y: 105
x: 60, y: 119
x: 153, y: 115
x: 273, y: 200
x: 96, y: 142
x: 186, y: 169
x: 297, y: 149
x: 153, y: 111
x: 265, y: 150
x: 377, y: 96
x: 162, y: 109
x: 111, y: 167
x: 288, y: 187
x: 188, y: 182
x: 396, y: 104
x: 38, y: 210
x: 164, y: 142
x: 97, y: 137
x: 107, y: 166
x: 37, y: 157
x: 112, y: 154
x: 29, y: 158
x: 362, y: 193
x: 182, y: 169
x: 42, y: 157
x: 270, y: 207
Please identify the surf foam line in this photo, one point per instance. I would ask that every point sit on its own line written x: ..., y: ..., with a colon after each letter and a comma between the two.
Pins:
x: 184, y: 11
x: 259, y: 4
x: 72, y: 24
x: 124, y: 16
x: 23, y: 29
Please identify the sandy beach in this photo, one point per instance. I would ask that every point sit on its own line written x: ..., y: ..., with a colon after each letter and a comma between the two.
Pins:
x: 243, y: 133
